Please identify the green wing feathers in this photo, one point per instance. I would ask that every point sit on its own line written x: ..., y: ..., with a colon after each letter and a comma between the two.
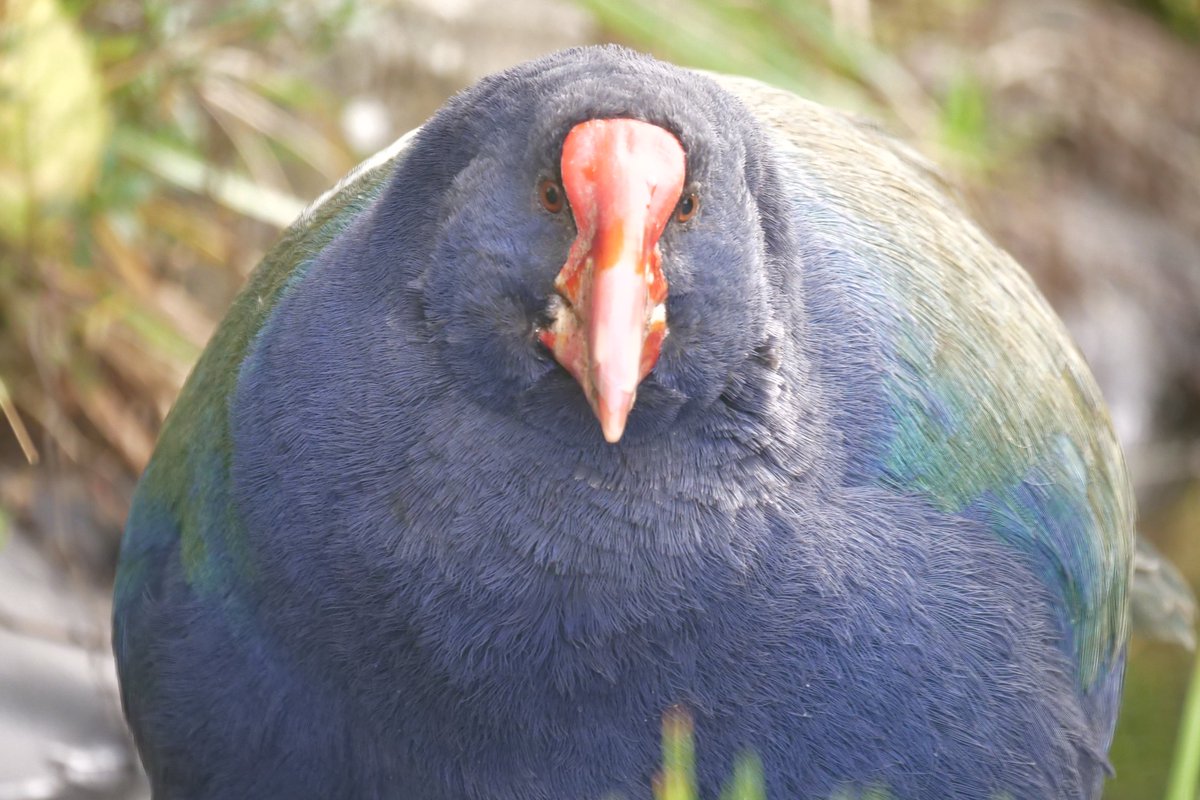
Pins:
x: 993, y: 412
x: 182, y: 503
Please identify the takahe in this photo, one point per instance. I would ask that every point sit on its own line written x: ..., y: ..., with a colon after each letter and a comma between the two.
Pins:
x: 617, y: 387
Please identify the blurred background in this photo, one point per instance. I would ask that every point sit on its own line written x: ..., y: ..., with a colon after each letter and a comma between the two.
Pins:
x: 152, y: 150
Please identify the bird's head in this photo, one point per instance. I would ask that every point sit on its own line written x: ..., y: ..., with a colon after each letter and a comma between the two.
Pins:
x: 598, y: 240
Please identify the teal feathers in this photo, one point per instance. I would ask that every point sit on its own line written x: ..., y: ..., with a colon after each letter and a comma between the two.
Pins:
x: 1023, y: 443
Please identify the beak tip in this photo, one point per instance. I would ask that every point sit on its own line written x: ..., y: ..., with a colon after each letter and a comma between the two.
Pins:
x: 612, y: 418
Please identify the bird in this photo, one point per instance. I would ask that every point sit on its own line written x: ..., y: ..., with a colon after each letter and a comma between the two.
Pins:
x: 617, y: 388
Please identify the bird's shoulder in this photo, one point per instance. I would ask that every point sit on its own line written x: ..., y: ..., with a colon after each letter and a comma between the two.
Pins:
x: 985, y: 407
x: 182, y: 510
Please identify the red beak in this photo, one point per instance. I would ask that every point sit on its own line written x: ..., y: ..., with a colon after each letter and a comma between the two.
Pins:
x: 623, y: 179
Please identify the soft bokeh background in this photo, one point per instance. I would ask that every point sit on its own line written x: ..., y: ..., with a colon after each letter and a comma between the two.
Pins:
x: 151, y: 150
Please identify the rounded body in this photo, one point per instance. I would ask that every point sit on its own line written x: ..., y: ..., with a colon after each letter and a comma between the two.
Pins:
x: 867, y: 520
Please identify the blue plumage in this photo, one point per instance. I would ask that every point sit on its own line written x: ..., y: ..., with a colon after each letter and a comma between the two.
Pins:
x: 866, y: 519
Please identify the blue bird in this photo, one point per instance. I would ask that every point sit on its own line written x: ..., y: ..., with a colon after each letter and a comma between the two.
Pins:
x: 618, y: 387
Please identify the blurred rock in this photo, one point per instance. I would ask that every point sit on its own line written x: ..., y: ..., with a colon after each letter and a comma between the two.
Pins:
x: 61, y: 732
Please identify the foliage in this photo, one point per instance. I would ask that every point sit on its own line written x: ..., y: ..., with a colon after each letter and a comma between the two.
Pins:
x: 1185, y: 771
x: 677, y: 781
x: 1182, y: 16
x: 155, y: 156
x: 799, y: 46
x: 53, y: 121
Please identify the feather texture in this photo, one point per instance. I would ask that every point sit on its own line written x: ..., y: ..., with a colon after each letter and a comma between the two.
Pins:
x: 986, y: 407
x: 868, y: 519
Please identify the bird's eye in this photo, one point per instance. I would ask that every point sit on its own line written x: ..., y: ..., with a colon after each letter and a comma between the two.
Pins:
x: 551, y: 196
x: 688, y: 207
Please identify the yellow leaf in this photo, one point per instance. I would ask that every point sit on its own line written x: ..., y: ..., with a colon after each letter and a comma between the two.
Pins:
x: 53, y: 120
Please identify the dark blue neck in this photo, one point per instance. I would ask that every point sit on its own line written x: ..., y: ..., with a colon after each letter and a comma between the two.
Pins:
x: 401, y: 506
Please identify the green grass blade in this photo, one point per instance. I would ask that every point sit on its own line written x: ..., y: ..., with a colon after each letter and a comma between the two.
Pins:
x: 190, y: 172
x: 1185, y: 768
